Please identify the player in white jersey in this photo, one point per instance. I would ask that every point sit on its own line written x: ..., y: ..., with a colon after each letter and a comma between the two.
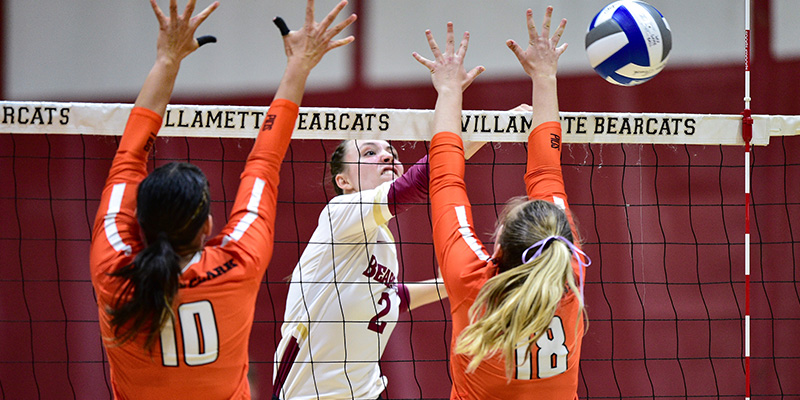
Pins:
x: 344, y: 298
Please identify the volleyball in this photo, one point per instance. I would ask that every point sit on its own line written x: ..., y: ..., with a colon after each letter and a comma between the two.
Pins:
x: 628, y: 42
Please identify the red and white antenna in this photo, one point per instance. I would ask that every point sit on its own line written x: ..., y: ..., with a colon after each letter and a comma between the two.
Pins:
x: 747, y: 134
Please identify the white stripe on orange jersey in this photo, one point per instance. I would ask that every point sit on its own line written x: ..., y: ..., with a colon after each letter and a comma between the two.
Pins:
x: 466, y: 234
x: 252, y: 211
x: 560, y: 202
x: 110, y: 220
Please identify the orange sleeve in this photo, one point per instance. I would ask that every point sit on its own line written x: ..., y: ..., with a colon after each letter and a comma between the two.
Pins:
x: 462, y: 257
x: 273, y: 139
x: 140, y: 133
x: 115, y: 236
x: 251, y: 225
x: 543, y: 179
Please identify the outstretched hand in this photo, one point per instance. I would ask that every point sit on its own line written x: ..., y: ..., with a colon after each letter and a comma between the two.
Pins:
x: 449, y: 78
x: 541, y: 56
x: 305, y: 47
x: 176, y: 33
x: 175, y: 41
x: 447, y: 69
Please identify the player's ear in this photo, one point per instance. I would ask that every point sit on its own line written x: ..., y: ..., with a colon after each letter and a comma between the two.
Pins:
x: 205, y: 232
x: 208, y: 226
x: 498, y: 252
x: 344, y: 183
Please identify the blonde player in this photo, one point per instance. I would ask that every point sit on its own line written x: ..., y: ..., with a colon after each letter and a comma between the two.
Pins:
x: 518, y: 317
x: 176, y: 309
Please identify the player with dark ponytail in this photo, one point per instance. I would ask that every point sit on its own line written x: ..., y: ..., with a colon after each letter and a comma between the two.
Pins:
x: 172, y: 205
x: 176, y: 305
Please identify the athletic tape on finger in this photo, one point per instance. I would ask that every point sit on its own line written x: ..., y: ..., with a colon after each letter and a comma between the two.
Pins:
x: 205, y: 39
x: 281, y: 26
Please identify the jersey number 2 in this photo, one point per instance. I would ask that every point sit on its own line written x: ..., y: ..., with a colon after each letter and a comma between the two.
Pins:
x: 199, y: 332
x: 374, y: 324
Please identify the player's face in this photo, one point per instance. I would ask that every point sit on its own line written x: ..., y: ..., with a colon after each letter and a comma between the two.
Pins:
x: 368, y: 163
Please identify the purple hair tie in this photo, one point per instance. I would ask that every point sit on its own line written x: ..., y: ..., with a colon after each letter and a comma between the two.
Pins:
x: 576, y: 252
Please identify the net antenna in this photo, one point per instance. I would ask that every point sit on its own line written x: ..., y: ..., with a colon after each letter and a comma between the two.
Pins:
x: 747, y: 135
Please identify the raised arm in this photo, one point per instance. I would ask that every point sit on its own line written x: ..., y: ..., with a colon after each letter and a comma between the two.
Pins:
x: 543, y: 177
x: 409, y: 189
x: 175, y: 41
x: 458, y: 250
x: 304, y: 49
x: 116, y: 230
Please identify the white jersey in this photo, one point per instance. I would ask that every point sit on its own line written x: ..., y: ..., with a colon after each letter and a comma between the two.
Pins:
x: 342, y: 304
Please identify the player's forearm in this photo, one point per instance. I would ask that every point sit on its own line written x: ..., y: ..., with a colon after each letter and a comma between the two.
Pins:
x: 409, y: 189
x: 273, y: 139
x: 157, y: 88
x: 447, y: 113
x: 425, y: 292
x: 545, y: 99
x: 293, y: 82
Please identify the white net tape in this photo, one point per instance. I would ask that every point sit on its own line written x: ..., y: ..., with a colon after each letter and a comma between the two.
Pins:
x: 396, y: 124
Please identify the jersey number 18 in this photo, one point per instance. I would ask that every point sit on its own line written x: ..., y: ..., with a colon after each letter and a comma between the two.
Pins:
x: 550, y: 354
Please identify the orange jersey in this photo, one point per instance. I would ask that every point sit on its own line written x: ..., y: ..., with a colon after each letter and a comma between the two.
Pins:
x: 550, y: 370
x: 203, y: 353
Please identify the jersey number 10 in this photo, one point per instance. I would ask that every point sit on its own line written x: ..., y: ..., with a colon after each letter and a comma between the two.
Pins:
x: 199, y: 333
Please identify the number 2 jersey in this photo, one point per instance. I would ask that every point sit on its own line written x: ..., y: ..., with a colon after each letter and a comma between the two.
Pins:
x: 344, y: 300
x: 203, y: 353
x: 550, y: 370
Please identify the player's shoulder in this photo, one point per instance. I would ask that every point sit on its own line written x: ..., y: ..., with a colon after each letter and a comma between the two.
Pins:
x: 364, y: 196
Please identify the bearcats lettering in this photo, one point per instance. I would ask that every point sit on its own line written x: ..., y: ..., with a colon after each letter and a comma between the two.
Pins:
x: 35, y: 115
x: 380, y: 273
x: 344, y: 122
x: 581, y: 125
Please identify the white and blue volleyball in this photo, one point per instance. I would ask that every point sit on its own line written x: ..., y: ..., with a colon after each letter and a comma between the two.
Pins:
x: 628, y: 42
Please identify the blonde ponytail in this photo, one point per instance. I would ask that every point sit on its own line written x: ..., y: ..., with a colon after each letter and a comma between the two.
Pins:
x: 515, y: 308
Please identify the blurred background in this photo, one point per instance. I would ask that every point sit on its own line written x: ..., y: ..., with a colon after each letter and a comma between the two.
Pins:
x: 85, y: 50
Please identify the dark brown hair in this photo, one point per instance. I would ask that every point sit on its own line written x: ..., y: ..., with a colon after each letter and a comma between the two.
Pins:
x: 337, y: 164
x: 172, y: 205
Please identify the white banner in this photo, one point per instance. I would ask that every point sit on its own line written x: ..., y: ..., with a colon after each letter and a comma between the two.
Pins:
x: 395, y: 124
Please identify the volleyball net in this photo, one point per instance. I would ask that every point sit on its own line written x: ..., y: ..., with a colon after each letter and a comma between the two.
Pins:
x: 659, y: 199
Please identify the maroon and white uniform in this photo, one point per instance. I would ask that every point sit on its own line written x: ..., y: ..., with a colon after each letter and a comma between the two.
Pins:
x: 344, y: 300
